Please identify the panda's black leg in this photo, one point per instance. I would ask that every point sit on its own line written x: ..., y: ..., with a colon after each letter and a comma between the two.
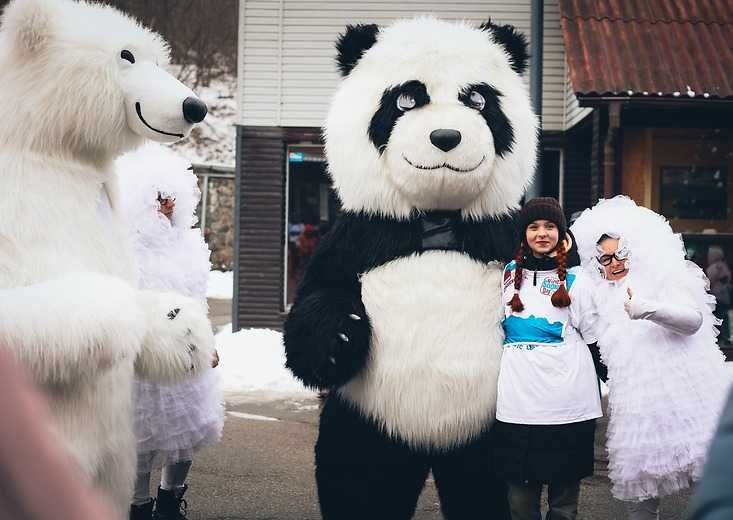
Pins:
x: 361, y: 474
x: 467, y: 485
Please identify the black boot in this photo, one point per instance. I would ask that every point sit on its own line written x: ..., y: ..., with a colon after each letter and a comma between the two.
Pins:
x: 170, y: 505
x: 143, y: 511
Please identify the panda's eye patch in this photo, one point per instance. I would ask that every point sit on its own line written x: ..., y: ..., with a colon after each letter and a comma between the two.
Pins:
x: 486, y: 100
x: 396, y: 102
x: 127, y: 55
x: 477, y: 100
x: 406, y: 102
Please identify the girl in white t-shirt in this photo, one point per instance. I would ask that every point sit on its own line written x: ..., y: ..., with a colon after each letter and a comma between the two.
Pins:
x: 548, y: 397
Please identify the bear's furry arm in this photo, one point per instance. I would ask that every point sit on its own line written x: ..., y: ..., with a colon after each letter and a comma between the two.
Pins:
x: 71, y: 327
x: 327, y: 333
x: 178, y: 342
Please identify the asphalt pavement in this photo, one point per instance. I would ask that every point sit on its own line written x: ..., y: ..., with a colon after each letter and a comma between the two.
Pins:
x: 263, y: 467
x: 263, y: 470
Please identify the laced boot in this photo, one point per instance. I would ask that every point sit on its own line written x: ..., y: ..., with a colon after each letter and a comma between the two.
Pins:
x: 170, y: 505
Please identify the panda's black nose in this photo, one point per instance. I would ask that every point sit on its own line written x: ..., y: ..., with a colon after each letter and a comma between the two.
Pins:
x: 445, y: 139
x: 194, y: 110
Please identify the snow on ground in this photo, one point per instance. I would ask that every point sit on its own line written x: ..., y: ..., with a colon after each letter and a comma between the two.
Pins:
x: 213, y: 140
x: 221, y: 285
x: 252, y: 364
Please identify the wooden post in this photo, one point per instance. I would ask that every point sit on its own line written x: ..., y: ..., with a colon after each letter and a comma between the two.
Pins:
x: 609, y: 149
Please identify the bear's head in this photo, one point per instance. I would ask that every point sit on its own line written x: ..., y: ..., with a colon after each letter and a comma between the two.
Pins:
x: 431, y: 115
x: 84, y: 79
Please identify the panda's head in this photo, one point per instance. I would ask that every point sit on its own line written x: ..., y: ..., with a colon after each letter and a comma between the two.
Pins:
x: 431, y: 115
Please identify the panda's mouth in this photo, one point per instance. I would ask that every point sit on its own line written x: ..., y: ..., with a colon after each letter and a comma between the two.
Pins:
x: 140, y: 115
x: 444, y: 165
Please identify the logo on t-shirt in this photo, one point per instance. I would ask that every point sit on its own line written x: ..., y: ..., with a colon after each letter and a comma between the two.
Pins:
x: 550, y: 285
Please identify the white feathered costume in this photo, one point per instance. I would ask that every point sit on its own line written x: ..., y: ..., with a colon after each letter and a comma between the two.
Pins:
x: 171, y: 421
x: 666, y: 374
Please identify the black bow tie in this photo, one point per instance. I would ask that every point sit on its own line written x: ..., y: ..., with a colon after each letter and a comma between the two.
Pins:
x: 439, y: 230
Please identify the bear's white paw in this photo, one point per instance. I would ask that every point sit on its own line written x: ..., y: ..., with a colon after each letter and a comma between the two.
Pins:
x: 179, y: 341
x: 71, y: 327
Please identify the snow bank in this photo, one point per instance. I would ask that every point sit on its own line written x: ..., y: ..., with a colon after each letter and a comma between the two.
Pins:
x: 252, y: 361
x: 221, y: 285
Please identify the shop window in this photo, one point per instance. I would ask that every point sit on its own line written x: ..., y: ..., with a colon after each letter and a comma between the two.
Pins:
x: 691, y: 184
x: 692, y: 192
x: 311, y: 209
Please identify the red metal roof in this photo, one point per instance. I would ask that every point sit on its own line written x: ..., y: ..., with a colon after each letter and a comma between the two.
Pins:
x: 668, y: 48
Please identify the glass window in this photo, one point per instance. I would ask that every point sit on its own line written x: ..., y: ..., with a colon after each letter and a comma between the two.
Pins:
x: 311, y: 209
x: 694, y: 192
x: 691, y: 184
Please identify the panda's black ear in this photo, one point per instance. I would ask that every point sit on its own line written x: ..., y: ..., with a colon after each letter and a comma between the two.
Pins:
x: 513, y: 41
x: 353, y: 43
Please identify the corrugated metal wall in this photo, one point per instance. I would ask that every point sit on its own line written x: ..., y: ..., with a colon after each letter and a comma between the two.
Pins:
x: 260, y: 241
x: 286, y: 65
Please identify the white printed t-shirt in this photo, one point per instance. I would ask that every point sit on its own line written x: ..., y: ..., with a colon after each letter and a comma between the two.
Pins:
x: 547, y: 374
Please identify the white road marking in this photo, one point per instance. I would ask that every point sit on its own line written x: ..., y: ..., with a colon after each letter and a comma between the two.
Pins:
x: 252, y: 416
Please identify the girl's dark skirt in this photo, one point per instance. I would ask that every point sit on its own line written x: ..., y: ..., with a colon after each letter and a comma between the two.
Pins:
x: 555, y: 453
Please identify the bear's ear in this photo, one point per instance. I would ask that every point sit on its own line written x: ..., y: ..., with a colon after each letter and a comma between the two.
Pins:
x: 29, y: 22
x: 514, y: 43
x: 352, y: 44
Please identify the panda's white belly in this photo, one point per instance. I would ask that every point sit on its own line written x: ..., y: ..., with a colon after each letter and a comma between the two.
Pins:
x: 436, y: 347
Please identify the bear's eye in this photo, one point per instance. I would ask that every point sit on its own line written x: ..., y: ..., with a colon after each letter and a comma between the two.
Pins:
x: 406, y: 102
x: 477, y: 100
x: 127, y: 55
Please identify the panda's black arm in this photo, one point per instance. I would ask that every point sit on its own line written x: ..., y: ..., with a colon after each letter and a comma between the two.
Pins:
x: 327, y: 332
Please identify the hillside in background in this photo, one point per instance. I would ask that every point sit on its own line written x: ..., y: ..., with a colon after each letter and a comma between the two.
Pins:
x: 213, y: 141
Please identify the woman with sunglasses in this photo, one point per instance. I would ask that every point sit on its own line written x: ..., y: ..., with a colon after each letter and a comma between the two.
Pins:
x: 173, y: 421
x: 666, y: 376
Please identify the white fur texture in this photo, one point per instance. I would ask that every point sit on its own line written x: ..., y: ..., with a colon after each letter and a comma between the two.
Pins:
x: 435, y: 323
x: 150, y: 170
x: 169, y: 256
x: 68, y: 303
x: 59, y: 351
x: 445, y: 57
x: 53, y: 51
x: 174, y: 347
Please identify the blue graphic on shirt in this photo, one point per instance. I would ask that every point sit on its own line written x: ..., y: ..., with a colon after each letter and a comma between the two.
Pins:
x: 569, y: 279
x: 532, y: 330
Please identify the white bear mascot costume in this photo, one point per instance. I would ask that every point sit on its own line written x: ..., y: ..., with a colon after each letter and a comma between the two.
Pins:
x: 82, y: 84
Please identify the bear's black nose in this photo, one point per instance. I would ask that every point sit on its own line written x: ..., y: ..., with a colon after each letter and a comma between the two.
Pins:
x: 444, y: 139
x: 194, y: 110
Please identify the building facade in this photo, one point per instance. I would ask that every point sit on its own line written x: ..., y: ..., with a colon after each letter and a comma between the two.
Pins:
x: 606, y: 128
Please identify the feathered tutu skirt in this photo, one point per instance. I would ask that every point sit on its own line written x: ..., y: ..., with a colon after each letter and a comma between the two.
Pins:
x: 173, y: 421
x: 666, y: 393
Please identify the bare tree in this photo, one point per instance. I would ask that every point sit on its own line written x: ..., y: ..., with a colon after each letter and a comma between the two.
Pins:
x: 202, y: 33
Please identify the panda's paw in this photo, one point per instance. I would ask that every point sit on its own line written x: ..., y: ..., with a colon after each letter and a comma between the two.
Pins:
x: 347, y: 349
x: 327, y: 340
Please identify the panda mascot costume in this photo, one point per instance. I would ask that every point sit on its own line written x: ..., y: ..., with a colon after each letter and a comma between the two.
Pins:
x: 431, y: 143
